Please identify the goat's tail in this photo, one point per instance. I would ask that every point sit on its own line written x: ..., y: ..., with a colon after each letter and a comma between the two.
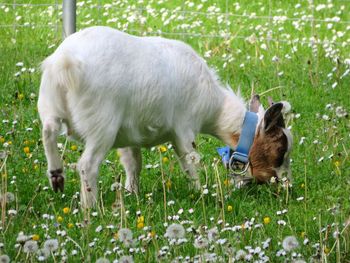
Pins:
x: 63, y: 70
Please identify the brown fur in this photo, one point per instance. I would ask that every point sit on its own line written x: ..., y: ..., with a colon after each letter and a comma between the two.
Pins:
x: 234, y: 139
x: 267, y: 153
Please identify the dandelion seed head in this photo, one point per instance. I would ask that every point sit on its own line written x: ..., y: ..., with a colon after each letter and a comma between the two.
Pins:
x: 30, y: 246
x: 51, y: 245
x: 175, y: 231
x: 124, y: 235
x: 290, y: 243
x: 4, y: 259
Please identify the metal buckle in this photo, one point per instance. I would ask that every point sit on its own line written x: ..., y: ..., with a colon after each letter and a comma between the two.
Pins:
x: 238, y: 167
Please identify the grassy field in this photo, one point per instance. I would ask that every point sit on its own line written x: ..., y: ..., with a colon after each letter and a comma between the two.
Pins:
x: 272, y: 46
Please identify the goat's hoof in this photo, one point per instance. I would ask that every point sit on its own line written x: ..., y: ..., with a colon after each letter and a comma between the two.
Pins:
x: 57, y: 180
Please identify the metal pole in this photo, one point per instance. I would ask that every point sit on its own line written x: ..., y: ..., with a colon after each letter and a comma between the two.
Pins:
x: 68, y: 17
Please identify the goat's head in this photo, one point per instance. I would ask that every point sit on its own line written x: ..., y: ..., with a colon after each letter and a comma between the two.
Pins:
x: 269, y: 154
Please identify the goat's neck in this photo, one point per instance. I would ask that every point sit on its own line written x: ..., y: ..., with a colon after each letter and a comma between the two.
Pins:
x: 231, y: 117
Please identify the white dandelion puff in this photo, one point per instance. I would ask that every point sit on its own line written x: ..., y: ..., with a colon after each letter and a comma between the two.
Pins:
x: 30, y: 246
x: 102, y: 260
x: 193, y: 158
x: 22, y: 238
x: 200, y: 242
x: 124, y: 235
x: 213, y: 234
x: 43, y: 254
x: 240, y: 254
x: 4, y: 259
x: 290, y: 243
x: 175, y: 231
x: 51, y: 245
x: 126, y: 259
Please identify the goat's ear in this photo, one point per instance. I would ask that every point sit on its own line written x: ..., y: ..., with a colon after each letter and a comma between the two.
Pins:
x: 273, y: 117
x: 254, y: 103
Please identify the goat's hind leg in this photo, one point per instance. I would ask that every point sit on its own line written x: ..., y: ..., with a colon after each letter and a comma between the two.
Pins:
x: 51, y: 129
x: 95, y: 150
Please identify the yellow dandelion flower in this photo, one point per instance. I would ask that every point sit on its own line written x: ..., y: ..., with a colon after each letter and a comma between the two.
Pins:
x: 140, y: 225
x: 229, y: 208
x: 168, y: 184
x: 165, y: 159
x: 74, y: 147
x: 59, y: 219
x: 227, y: 182
x: 326, y: 250
x: 337, y: 163
x: 162, y: 148
x: 140, y: 219
x: 267, y: 220
x: 302, y: 185
x: 9, y: 142
x: 35, y: 237
x: 66, y: 210
x: 26, y: 149
x: 70, y: 225
x: 2, y: 139
x: 152, y: 234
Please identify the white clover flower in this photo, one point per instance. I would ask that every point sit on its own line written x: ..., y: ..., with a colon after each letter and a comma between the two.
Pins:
x: 281, y: 222
x: 290, y: 243
x: 124, y: 235
x: 98, y: 229
x: 281, y: 253
x: 30, y: 246
x: 340, y: 112
x: 51, y: 245
x: 12, y: 212
x: 175, y: 231
x: 193, y: 158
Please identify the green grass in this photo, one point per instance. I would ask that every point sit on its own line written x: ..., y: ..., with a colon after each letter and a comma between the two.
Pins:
x: 321, y: 165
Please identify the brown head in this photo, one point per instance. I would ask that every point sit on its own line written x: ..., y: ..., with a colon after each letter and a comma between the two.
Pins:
x: 269, y: 154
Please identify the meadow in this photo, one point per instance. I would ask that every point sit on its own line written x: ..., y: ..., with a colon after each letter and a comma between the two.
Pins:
x: 297, y: 51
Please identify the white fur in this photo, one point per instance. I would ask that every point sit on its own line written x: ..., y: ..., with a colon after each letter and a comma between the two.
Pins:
x: 116, y: 90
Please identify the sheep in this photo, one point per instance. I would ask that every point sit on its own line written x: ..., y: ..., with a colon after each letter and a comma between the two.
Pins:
x: 114, y: 90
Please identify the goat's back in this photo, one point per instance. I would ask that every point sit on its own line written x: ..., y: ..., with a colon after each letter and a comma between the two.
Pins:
x: 147, y: 87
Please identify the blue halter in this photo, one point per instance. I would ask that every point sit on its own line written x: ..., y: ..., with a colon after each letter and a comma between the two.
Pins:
x: 241, y: 154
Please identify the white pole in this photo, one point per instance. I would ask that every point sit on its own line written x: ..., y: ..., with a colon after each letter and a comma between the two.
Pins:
x: 68, y: 17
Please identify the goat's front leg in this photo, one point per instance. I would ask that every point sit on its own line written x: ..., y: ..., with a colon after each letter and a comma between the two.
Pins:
x: 51, y: 129
x: 88, y: 167
x: 188, y: 158
x: 131, y: 159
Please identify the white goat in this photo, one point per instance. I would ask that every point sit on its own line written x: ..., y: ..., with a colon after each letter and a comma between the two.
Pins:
x: 112, y: 89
